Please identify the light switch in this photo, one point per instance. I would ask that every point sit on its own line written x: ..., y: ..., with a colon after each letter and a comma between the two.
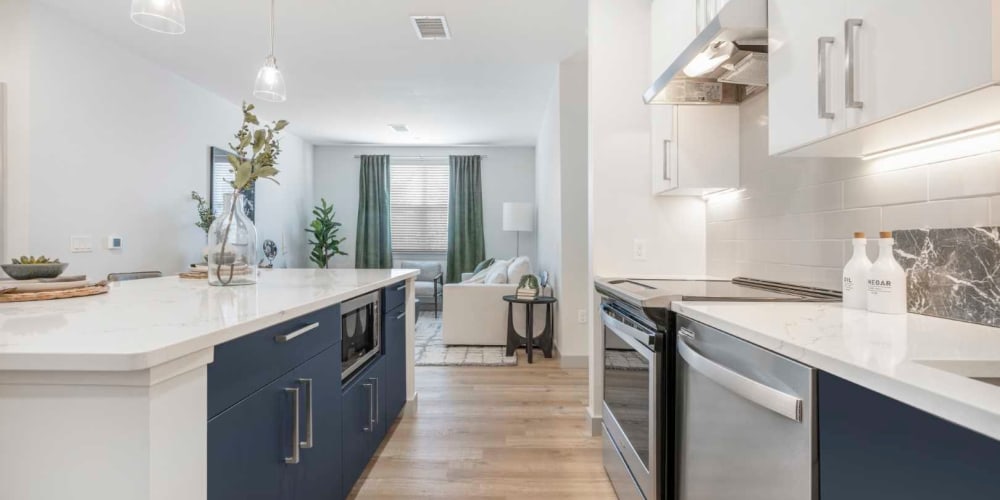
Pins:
x: 79, y: 244
x: 639, y: 249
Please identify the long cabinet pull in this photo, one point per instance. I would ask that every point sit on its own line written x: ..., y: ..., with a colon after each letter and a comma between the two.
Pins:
x: 371, y: 397
x: 307, y: 383
x: 375, y: 381
x: 401, y: 315
x: 666, y: 160
x: 290, y: 336
x: 401, y: 287
x: 851, y: 62
x: 294, y: 459
x: 823, y: 60
x: 766, y: 396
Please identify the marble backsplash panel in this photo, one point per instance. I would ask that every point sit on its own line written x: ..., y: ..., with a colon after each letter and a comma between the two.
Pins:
x: 952, y: 273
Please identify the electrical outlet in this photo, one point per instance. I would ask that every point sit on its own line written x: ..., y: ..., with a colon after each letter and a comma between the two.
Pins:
x: 581, y: 316
x: 284, y: 243
x: 78, y: 244
x: 639, y: 249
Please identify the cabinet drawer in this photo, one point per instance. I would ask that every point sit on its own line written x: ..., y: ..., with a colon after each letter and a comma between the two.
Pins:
x: 393, y: 296
x: 248, y: 363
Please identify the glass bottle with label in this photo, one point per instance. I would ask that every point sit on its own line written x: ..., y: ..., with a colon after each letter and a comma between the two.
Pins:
x: 886, y: 280
x: 855, y: 286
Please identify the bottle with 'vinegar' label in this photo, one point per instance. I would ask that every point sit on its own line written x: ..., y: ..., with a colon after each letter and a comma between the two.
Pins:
x: 887, y: 280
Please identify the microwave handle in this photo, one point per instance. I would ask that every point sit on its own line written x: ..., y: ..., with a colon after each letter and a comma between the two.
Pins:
x: 760, y: 394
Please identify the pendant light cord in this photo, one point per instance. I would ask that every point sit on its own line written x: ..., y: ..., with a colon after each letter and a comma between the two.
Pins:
x: 272, y: 28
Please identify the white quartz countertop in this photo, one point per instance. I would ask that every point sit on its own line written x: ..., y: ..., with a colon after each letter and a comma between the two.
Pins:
x: 922, y: 361
x: 144, y: 323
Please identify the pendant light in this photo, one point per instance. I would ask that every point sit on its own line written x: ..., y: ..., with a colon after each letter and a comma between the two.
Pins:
x: 161, y: 16
x: 270, y: 85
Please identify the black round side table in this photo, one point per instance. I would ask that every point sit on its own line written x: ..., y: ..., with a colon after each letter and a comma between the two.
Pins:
x: 529, y: 341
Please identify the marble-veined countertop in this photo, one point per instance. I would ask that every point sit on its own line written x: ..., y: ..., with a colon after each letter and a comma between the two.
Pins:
x: 144, y: 323
x: 922, y: 361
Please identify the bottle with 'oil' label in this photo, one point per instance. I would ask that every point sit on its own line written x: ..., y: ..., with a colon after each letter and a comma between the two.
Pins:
x: 855, y: 284
x: 886, y: 280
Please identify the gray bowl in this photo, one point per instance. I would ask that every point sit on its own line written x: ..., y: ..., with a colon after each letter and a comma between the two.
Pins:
x: 34, y: 271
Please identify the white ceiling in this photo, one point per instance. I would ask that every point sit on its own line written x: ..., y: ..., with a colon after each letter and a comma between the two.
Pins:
x: 354, y: 66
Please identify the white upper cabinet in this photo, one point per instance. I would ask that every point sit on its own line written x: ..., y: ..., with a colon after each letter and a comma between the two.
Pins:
x: 694, y: 149
x: 894, y: 73
x: 805, y: 68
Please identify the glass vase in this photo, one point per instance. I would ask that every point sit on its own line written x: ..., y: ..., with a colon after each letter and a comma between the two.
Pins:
x: 232, y: 254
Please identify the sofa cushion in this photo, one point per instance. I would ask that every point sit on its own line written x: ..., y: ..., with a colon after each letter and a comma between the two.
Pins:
x: 484, y: 265
x: 497, y: 273
x: 429, y: 269
x: 517, y: 268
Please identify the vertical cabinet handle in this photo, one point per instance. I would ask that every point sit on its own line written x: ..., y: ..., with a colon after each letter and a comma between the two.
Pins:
x: 401, y: 315
x: 823, y: 60
x: 666, y: 160
x: 851, y: 62
x: 307, y: 383
x: 294, y: 459
x: 371, y: 397
x: 375, y: 413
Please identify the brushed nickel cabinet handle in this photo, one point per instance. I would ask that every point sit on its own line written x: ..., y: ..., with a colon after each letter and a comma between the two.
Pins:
x: 294, y: 459
x: 401, y: 287
x: 666, y: 159
x: 371, y: 396
x: 308, y: 384
x: 851, y: 62
x: 375, y: 380
x: 291, y: 336
x: 401, y: 315
x: 823, y: 60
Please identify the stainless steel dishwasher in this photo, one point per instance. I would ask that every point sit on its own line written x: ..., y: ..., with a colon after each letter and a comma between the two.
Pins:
x: 745, y: 420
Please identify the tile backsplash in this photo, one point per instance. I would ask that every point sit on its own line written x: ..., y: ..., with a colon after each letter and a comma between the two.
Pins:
x: 952, y: 273
x: 794, y: 218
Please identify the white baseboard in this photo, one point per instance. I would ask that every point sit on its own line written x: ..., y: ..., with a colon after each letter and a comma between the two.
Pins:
x: 595, y: 424
x: 571, y: 361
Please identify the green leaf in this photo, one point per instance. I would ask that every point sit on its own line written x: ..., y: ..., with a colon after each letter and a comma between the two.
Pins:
x: 244, y: 171
x: 280, y: 125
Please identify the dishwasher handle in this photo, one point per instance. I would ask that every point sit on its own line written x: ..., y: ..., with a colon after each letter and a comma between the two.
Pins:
x: 783, y: 404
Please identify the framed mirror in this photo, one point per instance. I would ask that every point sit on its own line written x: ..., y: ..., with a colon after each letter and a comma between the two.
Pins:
x: 220, y: 184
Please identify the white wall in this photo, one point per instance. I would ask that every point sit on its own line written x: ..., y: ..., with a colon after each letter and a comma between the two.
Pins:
x: 14, y: 64
x: 116, y: 145
x: 796, y: 216
x: 508, y: 175
x: 621, y: 206
x: 561, y: 180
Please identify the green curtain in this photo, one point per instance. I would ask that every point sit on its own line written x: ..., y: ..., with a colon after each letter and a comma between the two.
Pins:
x: 466, y: 243
x: 374, y: 240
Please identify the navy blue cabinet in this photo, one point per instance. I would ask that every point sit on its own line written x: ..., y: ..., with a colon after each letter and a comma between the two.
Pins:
x: 364, y: 420
x: 395, y: 362
x: 872, y: 447
x: 248, y: 444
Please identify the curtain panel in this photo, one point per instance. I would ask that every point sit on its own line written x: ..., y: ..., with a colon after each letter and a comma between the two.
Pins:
x: 466, y: 240
x: 373, y: 248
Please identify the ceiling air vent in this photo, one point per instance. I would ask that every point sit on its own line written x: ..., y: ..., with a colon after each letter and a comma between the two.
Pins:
x: 399, y: 127
x: 431, y: 27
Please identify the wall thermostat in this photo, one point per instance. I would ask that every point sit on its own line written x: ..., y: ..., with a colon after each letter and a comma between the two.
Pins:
x: 115, y: 242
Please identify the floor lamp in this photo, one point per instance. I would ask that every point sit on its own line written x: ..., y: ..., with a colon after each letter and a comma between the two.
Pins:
x: 518, y: 216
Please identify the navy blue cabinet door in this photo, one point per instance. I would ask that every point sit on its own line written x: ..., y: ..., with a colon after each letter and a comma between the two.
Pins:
x: 358, y: 427
x: 873, y: 448
x: 395, y: 363
x: 318, y: 475
x: 247, y: 445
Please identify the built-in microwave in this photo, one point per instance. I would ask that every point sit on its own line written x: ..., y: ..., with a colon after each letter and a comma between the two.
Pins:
x: 360, y: 332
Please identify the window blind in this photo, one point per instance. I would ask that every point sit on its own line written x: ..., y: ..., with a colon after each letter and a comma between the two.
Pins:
x: 418, y: 202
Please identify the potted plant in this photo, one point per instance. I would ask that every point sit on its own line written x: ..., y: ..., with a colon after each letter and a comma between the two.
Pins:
x: 232, y: 256
x: 324, y: 232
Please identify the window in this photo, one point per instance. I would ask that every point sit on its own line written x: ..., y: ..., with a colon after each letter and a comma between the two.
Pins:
x: 418, y: 197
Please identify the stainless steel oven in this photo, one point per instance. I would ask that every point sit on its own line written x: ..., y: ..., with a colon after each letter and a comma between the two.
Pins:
x: 634, y: 404
x: 360, y: 332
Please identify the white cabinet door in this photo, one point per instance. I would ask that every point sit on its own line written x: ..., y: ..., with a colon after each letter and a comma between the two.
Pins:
x: 663, y: 148
x: 805, y: 37
x: 910, y: 53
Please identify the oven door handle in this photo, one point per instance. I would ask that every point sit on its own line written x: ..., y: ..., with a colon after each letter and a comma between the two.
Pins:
x: 642, y: 342
x: 760, y: 394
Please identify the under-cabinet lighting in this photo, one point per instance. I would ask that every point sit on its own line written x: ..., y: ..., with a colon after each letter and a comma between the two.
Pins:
x: 725, y: 194
x: 948, y: 147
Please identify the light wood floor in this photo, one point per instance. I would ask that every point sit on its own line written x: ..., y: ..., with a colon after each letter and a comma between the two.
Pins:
x: 492, y: 433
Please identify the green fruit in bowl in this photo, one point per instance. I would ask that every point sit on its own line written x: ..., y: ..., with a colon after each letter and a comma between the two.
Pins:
x: 34, y: 260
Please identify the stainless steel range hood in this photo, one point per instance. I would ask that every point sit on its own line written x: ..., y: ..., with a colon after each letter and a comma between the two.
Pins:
x: 728, y: 59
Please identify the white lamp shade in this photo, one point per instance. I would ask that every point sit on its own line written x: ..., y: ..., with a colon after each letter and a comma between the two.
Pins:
x: 270, y: 84
x: 162, y: 16
x: 518, y: 216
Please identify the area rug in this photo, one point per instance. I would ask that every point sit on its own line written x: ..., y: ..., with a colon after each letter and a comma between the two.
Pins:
x: 430, y: 350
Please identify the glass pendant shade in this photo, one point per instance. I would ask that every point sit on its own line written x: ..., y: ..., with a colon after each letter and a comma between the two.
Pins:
x: 162, y: 16
x: 270, y: 85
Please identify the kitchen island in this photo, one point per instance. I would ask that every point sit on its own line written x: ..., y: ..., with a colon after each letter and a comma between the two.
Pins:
x: 108, y: 396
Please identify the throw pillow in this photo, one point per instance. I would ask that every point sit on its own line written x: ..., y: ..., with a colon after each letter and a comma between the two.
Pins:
x: 479, y: 277
x: 497, y: 273
x: 483, y: 265
x: 517, y: 268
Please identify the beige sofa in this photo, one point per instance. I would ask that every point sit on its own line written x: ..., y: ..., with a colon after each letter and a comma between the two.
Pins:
x: 476, y: 314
